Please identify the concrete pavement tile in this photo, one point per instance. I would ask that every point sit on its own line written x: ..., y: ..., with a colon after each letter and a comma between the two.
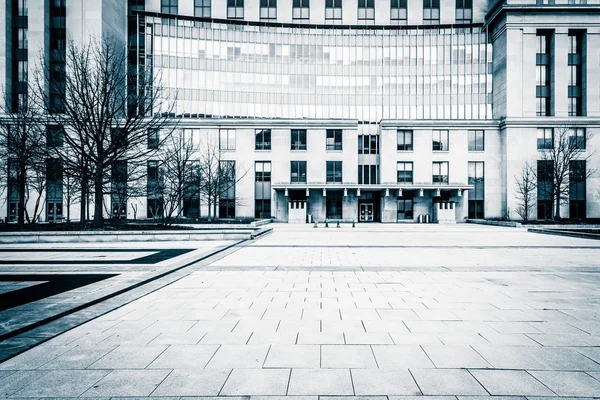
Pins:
x: 185, y: 356
x: 513, y: 327
x: 347, y: 356
x: 385, y: 326
x: 509, y: 339
x: 349, y: 314
x: 214, y: 325
x: 427, y: 326
x: 17, y: 380
x: 320, y: 314
x: 320, y: 338
x: 577, y: 384
x: 384, y: 382
x: 562, y: 358
x: 129, y: 357
x: 427, y: 398
x: 178, y: 338
x: 509, y: 357
x: 263, y: 326
x: 401, y: 356
x: 462, y: 339
x: 299, y: 326
x: 368, y: 338
x: 286, y: 337
x: 447, y: 382
x: 62, y: 383
x: 510, y: 383
x: 192, y: 382
x: 404, y: 315
x: 239, y: 356
x: 437, y: 315
x: 217, y: 337
x: 294, y: 356
x: 257, y: 382
x: 415, y: 338
x: 79, y: 357
x: 128, y: 382
x: 320, y: 382
x: 566, y: 339
x: 454, y: 356
x: 34, y: 358
x: 337, y: 326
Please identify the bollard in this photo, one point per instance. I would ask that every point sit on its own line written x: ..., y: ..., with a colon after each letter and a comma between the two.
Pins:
x: 338, y: 224
x: 326, y: 224
x: 353, y: 224
x: 315, y: 225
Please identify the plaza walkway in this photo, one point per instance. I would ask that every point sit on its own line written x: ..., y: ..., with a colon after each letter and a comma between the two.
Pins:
x: 379, y: 310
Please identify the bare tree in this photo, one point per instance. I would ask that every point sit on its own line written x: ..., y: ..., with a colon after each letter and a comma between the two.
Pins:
x: 569, y: 146
x: 104, y: 124
x: 525, y: 191
x: 22, y: 146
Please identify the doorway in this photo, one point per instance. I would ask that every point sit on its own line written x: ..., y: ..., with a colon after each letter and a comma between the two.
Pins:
x: 366, y: 212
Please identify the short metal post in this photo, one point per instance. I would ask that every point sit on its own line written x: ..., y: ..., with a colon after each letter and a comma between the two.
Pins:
x: 315, y: 225
x: 353, y: 225
x: 338, y: 224
x: 326, y: 224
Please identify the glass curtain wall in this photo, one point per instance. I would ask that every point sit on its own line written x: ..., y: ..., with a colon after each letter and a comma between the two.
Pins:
x: 270, y: 71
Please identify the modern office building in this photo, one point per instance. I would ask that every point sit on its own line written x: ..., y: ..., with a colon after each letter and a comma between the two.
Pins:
x: 366, y: 110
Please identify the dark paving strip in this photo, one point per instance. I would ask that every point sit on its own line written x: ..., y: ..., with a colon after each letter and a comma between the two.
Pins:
x: 55, y: 284
x: 160, y: 255
x: 394, y: 246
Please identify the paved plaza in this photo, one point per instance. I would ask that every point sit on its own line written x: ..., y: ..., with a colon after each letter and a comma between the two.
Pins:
x: 378, y: 310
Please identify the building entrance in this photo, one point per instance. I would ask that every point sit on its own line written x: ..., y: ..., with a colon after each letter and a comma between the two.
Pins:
x: 366, y: 212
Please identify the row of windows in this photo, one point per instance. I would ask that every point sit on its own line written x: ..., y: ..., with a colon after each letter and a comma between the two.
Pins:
x: 441, y: 141
x: 333, y: 10
x: 546, y: 138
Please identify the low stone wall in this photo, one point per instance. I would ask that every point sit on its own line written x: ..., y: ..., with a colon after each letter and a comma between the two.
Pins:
x: 131, y: 236
x: 511, y: 224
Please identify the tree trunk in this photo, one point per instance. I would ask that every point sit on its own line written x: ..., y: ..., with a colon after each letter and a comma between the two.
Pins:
x: 83, y: 202
x: 22, y: 181
x: 557, y: 207
x: 98, y: 198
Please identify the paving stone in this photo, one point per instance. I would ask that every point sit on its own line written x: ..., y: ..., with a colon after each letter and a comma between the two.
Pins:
x: 62, y: 383
x: 257, y: 382
x: 347, y: 356
x: 239, y: 356
x: 185, y: 356
x: 563, y: 383
x: 192, y: 382
x: 384, y: 382
x: 320, y: 338
x: 560, y: 358
x: 368, y: 338
x: 126, y: 382
x: 509, y: 357
x: 34, y: 358
x: 510, y: 383
x: 455, y: 357
x: 78, y: 357
x: 124, y: 357
x: 16, y: 380
x: 447, y: 382
x: 320, y: 382
x: 294, y: 356
x: 401, y: 356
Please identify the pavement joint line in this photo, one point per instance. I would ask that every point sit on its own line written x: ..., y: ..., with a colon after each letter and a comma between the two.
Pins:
x: 23, y: 330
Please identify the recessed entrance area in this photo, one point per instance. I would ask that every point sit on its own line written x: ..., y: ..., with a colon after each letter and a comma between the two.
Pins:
x: 369, y: 207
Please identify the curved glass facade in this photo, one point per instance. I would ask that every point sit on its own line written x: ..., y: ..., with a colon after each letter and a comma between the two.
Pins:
x: 219, y: 69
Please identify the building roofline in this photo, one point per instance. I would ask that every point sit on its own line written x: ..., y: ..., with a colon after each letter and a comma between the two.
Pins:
x: 501, y: 8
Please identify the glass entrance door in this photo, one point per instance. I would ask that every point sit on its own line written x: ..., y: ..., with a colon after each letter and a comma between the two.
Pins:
x: 365, y: 212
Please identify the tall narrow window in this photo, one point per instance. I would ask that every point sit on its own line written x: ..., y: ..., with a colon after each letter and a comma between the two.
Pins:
x: 298, y: 139
x: 58, y: 54
x: 543, y: 74
x: 202, y: 8
x: 577, y: 138
x: 301, y: 10
x: 544, y: 188
x: 366, y: 11
x: 333, y: 11
x: 476, y: 140
x: 545, y: 138
x: 334, y: 139
x: 262, y: 189
x: 155, y: 206
x: 440, y: 172
x: 153, y: 138
x: 55, y: 136
x: 368, y: 144
x: 431, y: 12
x: 268, y: 10
x: 22, y: 71
x: 54, y: 190
x: 575, y: 74
x: 263, y: 139
x: 577, y: 178
x: 477, y: 194
x: 399, y: 12
x: 368, y: 174
x: 440, y: 140
x: 297, y: 171
x: 334, y: 172
x: 227, y: 139
x: 405, y: 172
x: 227, y: 189
x: 464, y: 11
x: 119, y: 195
x: 22, y: 43
x: 235, y: 9
x: 169, y: 6
x: 405, y: 140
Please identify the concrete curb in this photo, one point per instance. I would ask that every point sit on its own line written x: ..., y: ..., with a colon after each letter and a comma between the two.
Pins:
x: 569, y: 233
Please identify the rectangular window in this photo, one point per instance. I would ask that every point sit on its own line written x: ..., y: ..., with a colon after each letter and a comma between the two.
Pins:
x: 399, y: 12
x: 366, y: 11
x: 268, y: 10
x: 368, y: 174
x: 476, y: 140
x: 477, y: 194
x: 577, y: 138
x: 545, y: 138
x: 334, y: 172
x: 577, y: 189
x: 227, y: 189
x: 263, y: 139
x: 464, y: 11
x: 405, y: 140
x: 202, y: 8
x: 440, y: 172
x: 405, y: 206
x: 298, y: 172
x: 334, y: 139
x: 22, y: 8
x: 368, y: 144
x: 235, y: 9
x: 440, y: 141
x: 431, y: 12
x: 153, y: 138
x: 227, y: 139
x: 169, y: 6
x: 405, y: 172
x: 543, y: 73
x: 575, y: 61
x: 154, y: 193
x: 262, y: 189
x: 23, y: 43
x: 22, y: 71
x: 301, y: 10
x: 333, y: 11
x: 55, y: 136
x: 298, y: 139
x: 545, y: 169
